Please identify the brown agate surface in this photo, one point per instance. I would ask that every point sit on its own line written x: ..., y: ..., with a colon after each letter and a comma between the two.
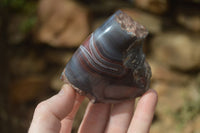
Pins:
x: 110, y: 65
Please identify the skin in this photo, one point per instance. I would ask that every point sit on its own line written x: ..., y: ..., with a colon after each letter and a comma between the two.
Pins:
x: 56, y: 114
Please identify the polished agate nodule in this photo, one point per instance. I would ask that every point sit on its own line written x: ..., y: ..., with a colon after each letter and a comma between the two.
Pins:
x: 110, y: 65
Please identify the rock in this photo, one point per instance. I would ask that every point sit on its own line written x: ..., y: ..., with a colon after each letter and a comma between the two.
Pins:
x: 97, y: 22
x: 58, y: 56
x: 197, y: 124
x: 168, y: 93
x: 187, y: 14
x: 198, y: 81
x: 26, y: 63
x: 177, y: 106
x: 151, y: 22
x: 27, y: 88
x: 161, y: 73
x: 15, y: 31
x: 177, y: 50
x: 62, y: 23
x: 155, y: 6
x: 191, y: 22
x: 165, y: 127
x: 173, y: 99
x: 170, y: 100
x: 55, y: 80
x: 193, y: 126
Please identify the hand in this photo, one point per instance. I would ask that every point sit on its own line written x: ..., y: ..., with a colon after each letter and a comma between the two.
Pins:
x: 56, y: 114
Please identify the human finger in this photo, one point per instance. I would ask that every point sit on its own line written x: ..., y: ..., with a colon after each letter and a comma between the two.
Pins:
x: 67, y: 122
x: 120, y: 117
x: 144, y: 113
x: 49, y: 113
x: 95, y: 118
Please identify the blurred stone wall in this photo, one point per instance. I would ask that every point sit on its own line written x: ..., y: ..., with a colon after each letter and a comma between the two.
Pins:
x: 39, y: 39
